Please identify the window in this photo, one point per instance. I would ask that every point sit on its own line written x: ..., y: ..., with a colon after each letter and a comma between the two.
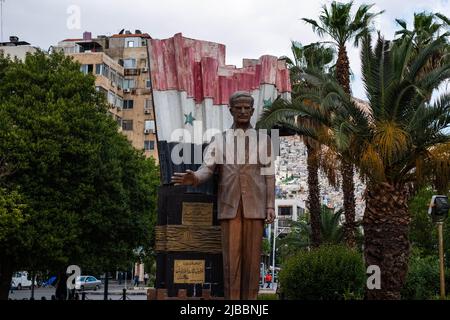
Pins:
x: 119, y: 102
x: 143, y: 63
x: 148, y: 107
x: 105, y: 70
x: 130, y: 44
x: 119, y: 81
x: 128, y: 83
x: 113, y: 77
x: 127, y: 125
x: 149, y: 145
x: 129, y: 63
x: 98, y: 68
x: 148, y: 83
x: 102, y: 90
x: 87, y: 68
x: 111, y: 98
x: 285, y: 211
x: 128, y: 104
x: 150, y: 125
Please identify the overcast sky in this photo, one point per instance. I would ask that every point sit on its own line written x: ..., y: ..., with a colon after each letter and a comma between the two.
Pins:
x: 248, y: 28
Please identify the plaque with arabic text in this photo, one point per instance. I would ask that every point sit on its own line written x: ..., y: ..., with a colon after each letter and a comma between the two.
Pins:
x: 189, y: 271
x: 197, y: 214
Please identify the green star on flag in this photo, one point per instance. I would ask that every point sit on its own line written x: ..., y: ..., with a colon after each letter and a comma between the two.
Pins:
x: 267, y: 103
x: 189, y: 118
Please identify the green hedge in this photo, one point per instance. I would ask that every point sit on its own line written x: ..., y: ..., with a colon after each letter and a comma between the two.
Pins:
x: 422, y: 280
x: 325, y: 273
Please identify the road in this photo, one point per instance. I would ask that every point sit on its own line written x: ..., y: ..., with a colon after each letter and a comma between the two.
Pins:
x: 114, y: 290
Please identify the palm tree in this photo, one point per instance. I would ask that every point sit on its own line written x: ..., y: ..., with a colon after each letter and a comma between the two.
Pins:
x: 399, y: 138
x: 314, y: 57
x: 300, y: 237
x: 427, y: 27
x: 338, y: 23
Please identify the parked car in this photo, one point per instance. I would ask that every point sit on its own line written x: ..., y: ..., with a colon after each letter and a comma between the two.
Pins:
x: 87, y: 283
x: 21, y: 279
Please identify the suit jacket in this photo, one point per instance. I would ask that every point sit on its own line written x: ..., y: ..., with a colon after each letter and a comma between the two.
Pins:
x: 240, y: 179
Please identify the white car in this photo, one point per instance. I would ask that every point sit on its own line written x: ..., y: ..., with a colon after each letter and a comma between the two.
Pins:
x: 87, y: 282
x: 21, y: 279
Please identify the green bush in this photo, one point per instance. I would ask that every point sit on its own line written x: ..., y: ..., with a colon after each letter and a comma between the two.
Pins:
x: 325, y: 273
x: 422, y: 280
x: 267, y: 296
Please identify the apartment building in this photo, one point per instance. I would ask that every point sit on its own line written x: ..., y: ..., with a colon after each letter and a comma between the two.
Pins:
x: 121, y: 67
x: 16, y: 49
x: 288, y: 210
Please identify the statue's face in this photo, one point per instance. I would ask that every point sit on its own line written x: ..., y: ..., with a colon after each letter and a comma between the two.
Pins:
x: 242, y: 111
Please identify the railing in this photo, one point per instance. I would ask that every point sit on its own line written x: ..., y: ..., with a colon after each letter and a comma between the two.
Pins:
x: 132, y: 72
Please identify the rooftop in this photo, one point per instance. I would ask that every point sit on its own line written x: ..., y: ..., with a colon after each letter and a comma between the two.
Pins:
x: 14, y: 42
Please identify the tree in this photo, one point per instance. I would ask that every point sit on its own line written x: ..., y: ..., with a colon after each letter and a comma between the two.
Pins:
x: 90, y: 196
x: 312, y: 58
x: 397, y: 140
x: 426, y: 28
x: 300, y: 235
x: 338, y: 23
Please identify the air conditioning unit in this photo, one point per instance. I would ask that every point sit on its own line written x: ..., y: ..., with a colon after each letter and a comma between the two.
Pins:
x: 126, y: 90
x: 145, y: 69
x: 147, y: 111
x: 148, y: 131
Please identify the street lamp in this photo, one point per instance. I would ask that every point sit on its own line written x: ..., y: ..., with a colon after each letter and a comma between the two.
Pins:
x: 275, y: 235
x: 276, y: 232
x: 438, y: 210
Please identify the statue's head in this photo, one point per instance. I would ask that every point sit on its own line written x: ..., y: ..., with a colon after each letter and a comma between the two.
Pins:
x: 241, y: 107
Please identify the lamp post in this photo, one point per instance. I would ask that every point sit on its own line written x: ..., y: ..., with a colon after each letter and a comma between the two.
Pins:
x: 441, y: 259
x: 438, y: 209
x: 275, y: 234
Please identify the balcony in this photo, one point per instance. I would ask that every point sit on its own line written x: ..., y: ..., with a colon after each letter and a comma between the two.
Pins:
x: 132, y: 72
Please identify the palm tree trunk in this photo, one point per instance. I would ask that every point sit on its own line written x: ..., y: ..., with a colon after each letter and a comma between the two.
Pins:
x: 386, y: 245
x: 348, y: 189
x: 314, y: 195
x: 348, y: 186
x: 343, y: 69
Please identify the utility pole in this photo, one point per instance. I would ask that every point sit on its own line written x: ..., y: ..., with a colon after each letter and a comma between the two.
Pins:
x: 1, y: 19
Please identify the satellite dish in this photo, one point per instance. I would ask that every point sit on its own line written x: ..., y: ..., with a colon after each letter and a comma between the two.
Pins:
x: 121, y: 31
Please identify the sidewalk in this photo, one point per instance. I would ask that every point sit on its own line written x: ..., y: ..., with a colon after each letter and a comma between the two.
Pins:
x: 114, y: 288
x: 271, y: 290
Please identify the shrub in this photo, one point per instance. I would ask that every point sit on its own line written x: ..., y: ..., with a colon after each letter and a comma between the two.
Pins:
x: 325, y: 273
x: 267, y: 296
x: 422, y: 280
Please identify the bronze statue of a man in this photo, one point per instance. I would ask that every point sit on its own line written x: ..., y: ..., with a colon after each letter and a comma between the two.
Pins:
x: 246, y: 196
